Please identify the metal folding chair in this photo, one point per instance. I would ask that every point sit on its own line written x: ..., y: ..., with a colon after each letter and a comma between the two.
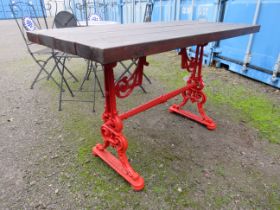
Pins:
x: 64, y: 19
x: 27, y: 19
x: 92, y: 68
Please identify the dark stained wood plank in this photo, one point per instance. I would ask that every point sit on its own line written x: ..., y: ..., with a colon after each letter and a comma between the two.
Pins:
x: 115, y: 30
x: 112, y: 43
x: 72, y: 34
x: 120, y: 30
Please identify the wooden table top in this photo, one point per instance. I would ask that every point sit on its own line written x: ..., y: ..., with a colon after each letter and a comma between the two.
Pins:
x: 113, y: 43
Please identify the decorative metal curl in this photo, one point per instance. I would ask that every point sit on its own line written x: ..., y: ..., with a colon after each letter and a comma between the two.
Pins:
x: 112, y: 136
x: 125, y: 85
x: 194, y: 92
x: 187, y: 63
x: 195, y: 82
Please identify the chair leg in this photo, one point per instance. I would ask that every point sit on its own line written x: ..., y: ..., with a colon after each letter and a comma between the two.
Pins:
x: 63, y: 80
x: 94, y: 93
x: 61, y: 87
x: 71, y: 74
x: 98, y: 81
x: 42, y: 69
x: 37, y: 76
x: 59, y: 61
x: 90, y: 66
x: 141, y: 86
x: 86, y: 77
x: 146, y: 77
x: 128, y: 71
x: 54, y: 67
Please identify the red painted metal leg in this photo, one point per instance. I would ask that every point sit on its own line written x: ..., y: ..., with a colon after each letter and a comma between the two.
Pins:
x: 112, y: 135
x: 194, y: 89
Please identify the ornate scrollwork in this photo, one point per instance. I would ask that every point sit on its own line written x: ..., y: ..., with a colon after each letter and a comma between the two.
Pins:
x: 194, y: 91
x: 187, y: 63
x: 111, y: 132
x: 112, y: 136
x: 125, y: 85
x: 195, y: 83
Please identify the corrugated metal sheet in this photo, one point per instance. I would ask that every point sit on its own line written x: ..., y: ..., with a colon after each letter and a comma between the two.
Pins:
x: 257, y: 60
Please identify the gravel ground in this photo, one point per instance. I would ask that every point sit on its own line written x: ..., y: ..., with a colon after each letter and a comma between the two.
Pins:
x: 26, y: 124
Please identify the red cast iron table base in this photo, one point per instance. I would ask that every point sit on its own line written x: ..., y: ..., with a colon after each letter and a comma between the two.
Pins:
x: 111, y: 130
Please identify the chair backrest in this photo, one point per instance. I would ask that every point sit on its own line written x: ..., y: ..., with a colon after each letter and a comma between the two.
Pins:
x: 148, y: 12
x: 79, y: 10
x: 29, y: 24
x: 76, y: 7
x: 71, y: 5
x: 51, y: 7
x: 94, y: 17
x: 65, y: 19
x: 27, y: 19
x: 97, y: 9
